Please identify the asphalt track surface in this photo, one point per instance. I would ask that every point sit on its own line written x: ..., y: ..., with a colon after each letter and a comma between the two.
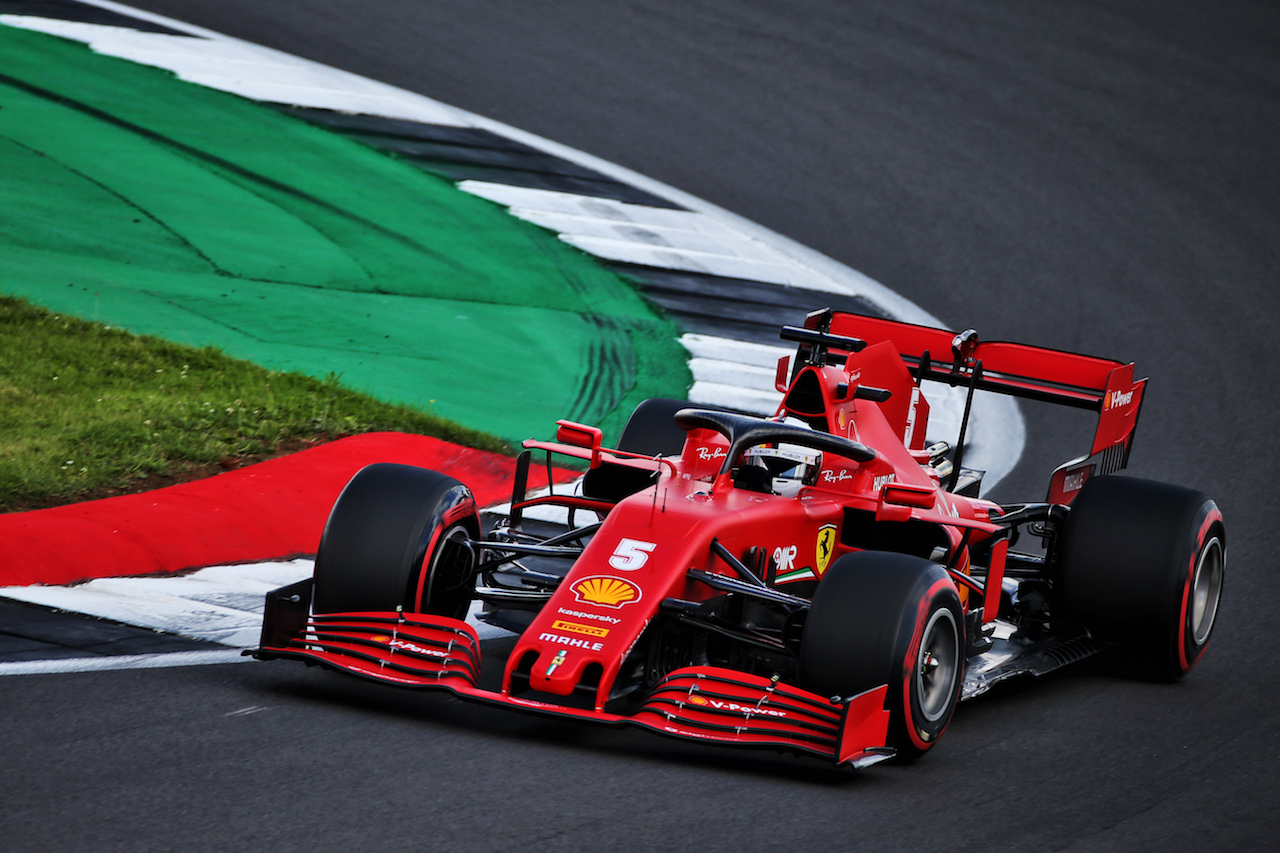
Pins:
x: 1092, y: 176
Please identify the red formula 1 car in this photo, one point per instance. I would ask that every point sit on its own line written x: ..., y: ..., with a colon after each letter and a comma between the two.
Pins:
x: 823, y: 581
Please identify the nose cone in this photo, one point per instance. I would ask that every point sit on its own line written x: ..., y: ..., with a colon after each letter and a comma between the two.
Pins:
x: 575, y: 645
x: 562, y: 661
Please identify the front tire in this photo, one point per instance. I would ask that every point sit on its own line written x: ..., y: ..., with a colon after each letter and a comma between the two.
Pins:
x: 1142, y: 563
x: 884, y: 618
x: 651, y: 429
x: 396, y: 538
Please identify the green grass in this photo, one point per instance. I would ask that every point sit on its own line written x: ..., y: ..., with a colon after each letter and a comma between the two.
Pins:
x: 88, y: 410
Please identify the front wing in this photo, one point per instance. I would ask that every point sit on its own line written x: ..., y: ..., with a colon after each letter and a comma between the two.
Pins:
x: 703, y: 703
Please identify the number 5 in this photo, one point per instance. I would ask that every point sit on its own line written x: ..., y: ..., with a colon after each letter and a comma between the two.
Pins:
x: 631, y: 554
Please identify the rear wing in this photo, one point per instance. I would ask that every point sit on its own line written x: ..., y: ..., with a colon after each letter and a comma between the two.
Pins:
x: 1100, y: 385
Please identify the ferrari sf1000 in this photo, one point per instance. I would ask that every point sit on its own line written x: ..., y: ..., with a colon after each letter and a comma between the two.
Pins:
x: 824, y: 581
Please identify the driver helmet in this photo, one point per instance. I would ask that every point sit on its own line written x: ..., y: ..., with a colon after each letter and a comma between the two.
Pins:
x: 790, y: 466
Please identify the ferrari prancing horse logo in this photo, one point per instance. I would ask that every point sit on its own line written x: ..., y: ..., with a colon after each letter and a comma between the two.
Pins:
x: 826, y: 547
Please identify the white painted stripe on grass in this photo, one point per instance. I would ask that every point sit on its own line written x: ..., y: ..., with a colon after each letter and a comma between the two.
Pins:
x: 575, y: 208
x: 670, y: 258
x: 113, y: 662
x: 655, y: 237
x: 657, y: 226
x: 607, y: 219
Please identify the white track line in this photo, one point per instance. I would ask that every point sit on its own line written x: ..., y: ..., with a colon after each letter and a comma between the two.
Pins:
x: 220, y: 604
x: 112, y: 662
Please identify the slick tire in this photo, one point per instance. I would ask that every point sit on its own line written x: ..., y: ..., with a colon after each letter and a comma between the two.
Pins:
x: 885, y: 618
x: 651, y: 431
x: 396, y: 538
x: 1142, y: 563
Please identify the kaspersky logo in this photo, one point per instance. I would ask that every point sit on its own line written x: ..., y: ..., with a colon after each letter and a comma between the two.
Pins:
x: 1116, y: 399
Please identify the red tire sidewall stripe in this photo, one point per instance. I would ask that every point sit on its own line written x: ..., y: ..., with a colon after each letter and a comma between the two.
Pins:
x: 423, y: 573
x: 447, y: 519
x: 1185, y: 659
x: 908, y: 664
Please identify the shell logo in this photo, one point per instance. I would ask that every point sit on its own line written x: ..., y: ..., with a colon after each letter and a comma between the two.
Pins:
x: 606, y: 591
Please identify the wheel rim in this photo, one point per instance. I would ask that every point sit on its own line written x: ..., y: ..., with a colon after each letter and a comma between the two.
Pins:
x: 938, y: 664
x: 449, y: 566
x: 1206, y: 589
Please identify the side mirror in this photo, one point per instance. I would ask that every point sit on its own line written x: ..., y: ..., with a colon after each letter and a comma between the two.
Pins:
x: 581, y: 435
x: 903, y: 494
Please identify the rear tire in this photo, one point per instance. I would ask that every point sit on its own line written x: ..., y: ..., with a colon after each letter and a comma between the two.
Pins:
x: 884, y: 618
x: 1142, y: 563
x: 395, y: 538
x: 651, y: 429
